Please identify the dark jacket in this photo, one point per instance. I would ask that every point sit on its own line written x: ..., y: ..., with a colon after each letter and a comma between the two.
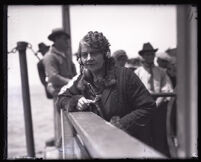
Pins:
x: 42, y: 76
x: 123, y: 95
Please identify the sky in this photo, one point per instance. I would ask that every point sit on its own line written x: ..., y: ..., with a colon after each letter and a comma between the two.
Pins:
x: 126, y: 27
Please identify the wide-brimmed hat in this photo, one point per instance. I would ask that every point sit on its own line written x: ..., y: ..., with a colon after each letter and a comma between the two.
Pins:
x: 56, y: 32
x: 147, y: 47
x: 163, y: 56
x: 42, y: 46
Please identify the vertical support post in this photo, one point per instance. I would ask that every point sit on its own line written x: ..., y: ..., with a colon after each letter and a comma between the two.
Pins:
x: 66, y: 25
x: 68, y: 131
x: 187, y: 81
x: 21, y: 46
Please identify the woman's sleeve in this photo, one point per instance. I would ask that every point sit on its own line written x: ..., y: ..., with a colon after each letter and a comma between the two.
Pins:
x: 69, y: 95
x: 139, y: 101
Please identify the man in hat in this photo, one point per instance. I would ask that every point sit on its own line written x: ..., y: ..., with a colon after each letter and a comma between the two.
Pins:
x: 156, y: 81
x: 60, y: 70
x: 171, y: 69
x: 163, y: 60
x: 120, y: 57
x: 153, y: 77
x: 166, y: 62
x: 43, y: 49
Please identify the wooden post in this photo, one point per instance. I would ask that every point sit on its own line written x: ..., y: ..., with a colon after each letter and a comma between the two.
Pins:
x: 187, y: 80
x: 21, y: 47
x: 66, y: 25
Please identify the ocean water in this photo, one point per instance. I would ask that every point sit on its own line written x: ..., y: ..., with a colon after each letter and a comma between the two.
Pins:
x: 42, y: 120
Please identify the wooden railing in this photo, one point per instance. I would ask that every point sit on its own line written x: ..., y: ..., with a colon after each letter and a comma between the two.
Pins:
x: 88, y: 136
x: 163, y: 94
x: 95, y: 138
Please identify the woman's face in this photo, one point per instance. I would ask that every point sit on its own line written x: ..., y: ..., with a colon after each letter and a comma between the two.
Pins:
x: 92, y: 59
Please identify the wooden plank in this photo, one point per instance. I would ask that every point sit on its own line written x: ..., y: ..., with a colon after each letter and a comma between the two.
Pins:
x: 103, y: 140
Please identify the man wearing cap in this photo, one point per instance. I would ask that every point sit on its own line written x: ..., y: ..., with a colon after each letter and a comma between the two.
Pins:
x: 163, y: 60
x: 60, y: 70
x: 120, y: 58
x: 155, y: 80
x: 43, y: 49
x: 171, y: 69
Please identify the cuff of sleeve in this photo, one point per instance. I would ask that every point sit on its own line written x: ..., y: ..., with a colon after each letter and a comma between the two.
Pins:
x: 127, y: 122
x: 70, y: 105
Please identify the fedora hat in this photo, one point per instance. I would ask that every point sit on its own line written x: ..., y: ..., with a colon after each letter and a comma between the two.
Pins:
x: 42, y: 46
x: 56, y: 32
x: 147, y: 47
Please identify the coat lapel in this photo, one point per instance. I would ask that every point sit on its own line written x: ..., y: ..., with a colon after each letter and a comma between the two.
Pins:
x: 109, y: 83
x: 105, y: 95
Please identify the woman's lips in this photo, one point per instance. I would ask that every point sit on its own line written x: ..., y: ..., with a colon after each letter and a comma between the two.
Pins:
x: 90, y: 64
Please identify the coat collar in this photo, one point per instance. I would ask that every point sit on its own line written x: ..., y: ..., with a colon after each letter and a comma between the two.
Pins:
x: 56, y: 51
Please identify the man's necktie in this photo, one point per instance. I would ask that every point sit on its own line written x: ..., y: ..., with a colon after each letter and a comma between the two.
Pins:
x: 151, y: 80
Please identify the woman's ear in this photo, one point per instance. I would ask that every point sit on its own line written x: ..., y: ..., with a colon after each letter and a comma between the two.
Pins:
x: 108, y: 54
x: 80, y: 61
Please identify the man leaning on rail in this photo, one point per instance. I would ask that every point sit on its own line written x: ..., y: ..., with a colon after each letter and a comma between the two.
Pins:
x: 114, y: 93
x: 59, y: 70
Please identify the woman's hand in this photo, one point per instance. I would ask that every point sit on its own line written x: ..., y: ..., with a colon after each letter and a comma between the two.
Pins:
x: 83, y: 103
x: 115, y: 121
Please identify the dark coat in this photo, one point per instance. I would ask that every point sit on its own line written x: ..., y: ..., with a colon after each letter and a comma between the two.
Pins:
x: 123, y: 95
x: 42, y: 76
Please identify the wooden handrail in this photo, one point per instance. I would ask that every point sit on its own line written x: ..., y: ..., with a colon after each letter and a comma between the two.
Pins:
x: 163, y: 94
x: 104, y: 141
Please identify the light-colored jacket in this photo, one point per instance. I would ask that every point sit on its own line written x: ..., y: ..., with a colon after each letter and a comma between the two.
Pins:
x: 59, y: 68
x: 161, y: 81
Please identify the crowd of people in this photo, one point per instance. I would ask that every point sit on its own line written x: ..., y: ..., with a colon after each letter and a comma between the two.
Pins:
x: 115, y: 87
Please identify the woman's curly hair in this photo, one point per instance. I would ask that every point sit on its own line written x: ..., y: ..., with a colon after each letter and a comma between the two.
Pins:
x: 95, y: 40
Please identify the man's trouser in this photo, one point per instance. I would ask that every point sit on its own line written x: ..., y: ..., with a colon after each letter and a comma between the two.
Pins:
x: 57, y: 125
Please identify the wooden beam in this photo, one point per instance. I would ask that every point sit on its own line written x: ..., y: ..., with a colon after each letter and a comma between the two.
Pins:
x: 187, y: 80
x: 66, y: 25
x: 105, y: 141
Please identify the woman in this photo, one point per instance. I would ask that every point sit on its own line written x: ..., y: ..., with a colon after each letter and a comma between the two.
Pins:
x: 114, y: 93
